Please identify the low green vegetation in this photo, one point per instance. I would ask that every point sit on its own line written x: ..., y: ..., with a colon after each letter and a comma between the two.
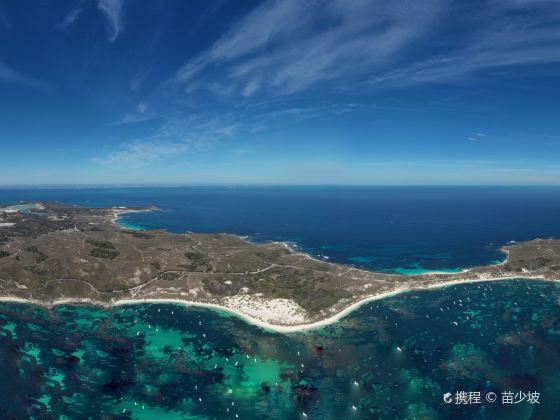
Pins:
x: 140, y: 235
x: 4, y: 254
x: 101, y: 244
x: 197, y: 262
x: 34, y: 250
x: 103, y: 253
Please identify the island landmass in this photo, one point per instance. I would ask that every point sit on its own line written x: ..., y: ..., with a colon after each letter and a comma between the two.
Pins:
x: 53, y: 253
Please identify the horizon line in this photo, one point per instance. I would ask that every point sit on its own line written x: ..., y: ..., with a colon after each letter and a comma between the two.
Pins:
x: 248, y: 185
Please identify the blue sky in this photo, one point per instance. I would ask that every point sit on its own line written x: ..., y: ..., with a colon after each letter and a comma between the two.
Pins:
x: 280, y: 92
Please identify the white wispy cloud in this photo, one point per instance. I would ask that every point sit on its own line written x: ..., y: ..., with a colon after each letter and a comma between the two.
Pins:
x: 9, y: 75
x: 284, y: 48
x: 141, y: 113
x: 505, y: 35
x: 133, y: 117
x: 70, y: 18
x: 113, y: 10
x: 288, y: 46
x: 176, y: 137
x: 182, y: 134
x: 476, y: 137
x: 140, y: 153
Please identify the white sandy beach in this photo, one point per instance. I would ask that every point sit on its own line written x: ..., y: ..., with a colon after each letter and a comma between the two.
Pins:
x: 244, y: 313
x: 117, y: 211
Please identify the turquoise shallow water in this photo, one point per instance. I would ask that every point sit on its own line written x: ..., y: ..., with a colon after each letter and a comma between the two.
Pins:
x: 393, y: 358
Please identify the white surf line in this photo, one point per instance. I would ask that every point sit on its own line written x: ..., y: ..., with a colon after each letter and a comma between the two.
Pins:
x: 258, y: 322
x: 118, y: 211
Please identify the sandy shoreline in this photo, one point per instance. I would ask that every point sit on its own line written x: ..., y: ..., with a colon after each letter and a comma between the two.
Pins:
x: 260, y: 323
x: 117, y: 211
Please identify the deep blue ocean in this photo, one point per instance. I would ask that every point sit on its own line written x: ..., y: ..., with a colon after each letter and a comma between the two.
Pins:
x: 402, y: 229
